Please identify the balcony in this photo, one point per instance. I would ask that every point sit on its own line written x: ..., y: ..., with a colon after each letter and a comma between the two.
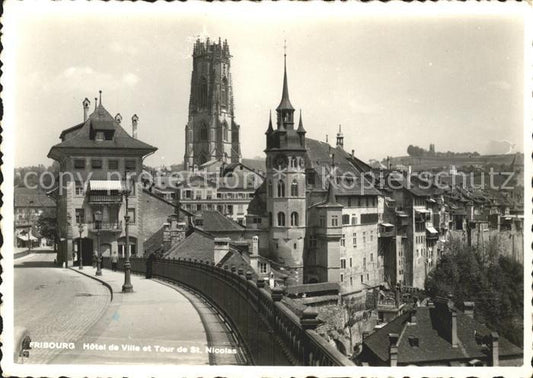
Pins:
x: 105, y: 226
x: 102, y: 199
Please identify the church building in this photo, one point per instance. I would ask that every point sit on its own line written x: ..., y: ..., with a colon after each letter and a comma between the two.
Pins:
x: 211, y: 132
x: 316, y: 214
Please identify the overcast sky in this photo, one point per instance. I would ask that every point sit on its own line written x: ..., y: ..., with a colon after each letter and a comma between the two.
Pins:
x: 453, y: 80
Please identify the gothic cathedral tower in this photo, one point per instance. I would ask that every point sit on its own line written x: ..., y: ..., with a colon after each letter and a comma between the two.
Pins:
x: 286, y: 197
x: 211, y: 132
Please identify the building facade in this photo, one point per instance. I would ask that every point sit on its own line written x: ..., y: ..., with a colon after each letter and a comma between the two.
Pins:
x: 313, y: 215
x: 211, y: 132
x: 99, y: 165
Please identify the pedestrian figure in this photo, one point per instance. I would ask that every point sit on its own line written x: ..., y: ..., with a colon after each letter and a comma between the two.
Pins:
x: 95, y: 258
x: 114, y: 261
x: 149, y: 265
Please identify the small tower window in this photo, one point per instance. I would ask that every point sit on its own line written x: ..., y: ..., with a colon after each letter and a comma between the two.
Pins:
x: 203, y: 92
x: 281, y: 188
x: 225, y: 131
x: 294, y: 219
x: 203, y: 132
x: 224, y: 92
x: 281, y: 219
x: 269, y: 188
x: 294, y: 189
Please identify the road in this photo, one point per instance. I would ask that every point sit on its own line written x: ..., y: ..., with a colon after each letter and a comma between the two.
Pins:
x: 157, y: 324
x: 54, y: 304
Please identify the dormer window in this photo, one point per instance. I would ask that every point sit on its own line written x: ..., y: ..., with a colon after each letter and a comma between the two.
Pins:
x: 99, y: 136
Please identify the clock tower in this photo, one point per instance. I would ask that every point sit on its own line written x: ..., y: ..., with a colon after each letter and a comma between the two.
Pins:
x: 286, y: 197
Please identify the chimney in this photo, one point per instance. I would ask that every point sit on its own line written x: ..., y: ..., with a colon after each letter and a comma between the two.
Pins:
x: 134, y: 121
x: 393, y: 349
x: 495, y: 349
x: 353, y: 153
x: 469, y: 309
x: 86, y: 104
x: 221, y: 249
x: 455, y: 339
x: 118, y: 118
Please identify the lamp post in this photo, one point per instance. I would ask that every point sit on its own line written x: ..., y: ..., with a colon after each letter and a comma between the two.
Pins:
x: 80, y: 254
x: 127, y: 287
x: 98, y: 220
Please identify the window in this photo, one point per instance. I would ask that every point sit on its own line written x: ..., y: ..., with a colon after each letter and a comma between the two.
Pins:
x: 281, y: 188
x: 346, y: 219
x: 270, y: 219
x: 294, y: 218
x: 220, y: 208
x: 281, y: 219
x: 371, y: 235
x: 131, y: 214
x: 80, y: 216
x: 224, y: 92
x: 198, y: 195
x: 112, y: 164
x: 342, y: 241
x: 351, y: 281
x: 334, y: 220
x: 219, y: 195
x: 295, y: 246
x: 351, y: 265
x: 209, y: 195
x: 354, y: 240
x: 322, y: 221
x: 362, y: 279
x: 79, y: 163
x: 99, y: 136
x: 203, y: 92
x: 294, y: 189
x: 364, y: 263
x: 78, y: 188
x: 262, y: 267
x: 343, y: 263
x: 364, y: 237
x: 230, y: 209
x: 342, y: 277
x: 188, y: 194
x: 354, y: 220
x: 130, y: 165
x: 96, y: 163
x: 371, y: 257
x: 225, y: 131
x: 368, y: 277
x: 203, y: 132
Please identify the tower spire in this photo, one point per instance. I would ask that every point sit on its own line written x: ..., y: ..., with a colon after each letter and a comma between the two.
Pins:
x: 270, y: 128
x: 100, y: 93
x: 285, y: 103
x: 301, y: 124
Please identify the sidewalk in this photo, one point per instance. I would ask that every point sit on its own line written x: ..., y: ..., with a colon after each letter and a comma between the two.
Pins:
x: 141, y: 324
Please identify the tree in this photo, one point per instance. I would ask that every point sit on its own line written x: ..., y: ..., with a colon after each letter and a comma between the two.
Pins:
x: 47, y: 225
x: 494, y: 283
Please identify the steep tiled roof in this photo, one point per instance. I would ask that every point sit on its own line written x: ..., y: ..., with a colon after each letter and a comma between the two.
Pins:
x: 25, y: 197
x: 100, y: 119
x: 154, y: 242
x: 198, y: 245
x: 432, y: 346
x: 214, y: 221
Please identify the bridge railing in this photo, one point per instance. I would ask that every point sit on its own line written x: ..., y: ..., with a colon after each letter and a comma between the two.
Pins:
x: 271, y: 332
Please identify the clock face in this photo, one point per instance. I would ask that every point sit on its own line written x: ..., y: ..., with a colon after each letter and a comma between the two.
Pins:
x: 280, y: 161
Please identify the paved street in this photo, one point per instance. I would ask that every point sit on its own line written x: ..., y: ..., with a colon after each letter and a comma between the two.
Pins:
x: 158, y: 323
x: 54, y: 304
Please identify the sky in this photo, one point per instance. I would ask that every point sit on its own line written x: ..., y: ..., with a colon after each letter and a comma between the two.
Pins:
x: 389, y: 78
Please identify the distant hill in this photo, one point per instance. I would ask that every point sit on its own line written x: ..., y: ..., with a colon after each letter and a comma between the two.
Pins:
x: 255, y: 163
x: 429, y: 162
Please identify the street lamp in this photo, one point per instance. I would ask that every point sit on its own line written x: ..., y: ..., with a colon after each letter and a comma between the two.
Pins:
x: 98, y: 220
x: 127, y: 287
x: 80, y: 254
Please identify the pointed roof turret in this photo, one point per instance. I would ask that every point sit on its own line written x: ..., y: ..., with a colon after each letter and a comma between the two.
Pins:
x: 331, y: 199
x: 285, y: 103
x: 270, y: 128
x: 301, y: 124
